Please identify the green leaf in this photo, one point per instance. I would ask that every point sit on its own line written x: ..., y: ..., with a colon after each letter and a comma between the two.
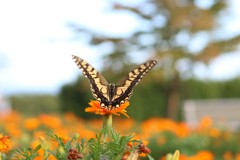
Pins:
x: 37, y: 148
x: 150, y: 157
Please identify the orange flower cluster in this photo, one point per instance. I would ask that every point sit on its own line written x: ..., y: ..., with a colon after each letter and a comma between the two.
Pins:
x: 28, y: 130
x: 153, y: 126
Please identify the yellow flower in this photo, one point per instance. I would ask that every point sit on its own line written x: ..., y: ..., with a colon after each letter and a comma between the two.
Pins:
x: 4, y: 143
x: 96, y: 108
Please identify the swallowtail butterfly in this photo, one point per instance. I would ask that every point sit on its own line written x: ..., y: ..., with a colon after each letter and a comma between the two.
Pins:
x: 112, y: 95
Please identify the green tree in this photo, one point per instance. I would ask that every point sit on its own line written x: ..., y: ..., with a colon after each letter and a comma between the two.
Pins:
x: 170, y: 34
x: 35, y: 104
x: 75, y: 97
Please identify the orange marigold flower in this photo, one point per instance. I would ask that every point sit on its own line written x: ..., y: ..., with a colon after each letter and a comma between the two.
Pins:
x: 4, y: 143
x: 206, y: 155
x: 205, y: 122
x: 96, y: 108
x: 31, y: 123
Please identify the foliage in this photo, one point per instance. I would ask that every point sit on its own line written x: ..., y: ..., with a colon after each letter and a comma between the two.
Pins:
x: 113, y: 149
x: 197, y: 89
x: 35, y: 104
x: 75, y: 95
x: 28, y: 154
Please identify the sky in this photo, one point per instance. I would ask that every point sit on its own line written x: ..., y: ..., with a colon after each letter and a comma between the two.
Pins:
x: 36, y: 43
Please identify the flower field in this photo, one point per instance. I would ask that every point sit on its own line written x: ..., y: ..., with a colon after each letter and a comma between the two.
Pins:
x: 160, y: 135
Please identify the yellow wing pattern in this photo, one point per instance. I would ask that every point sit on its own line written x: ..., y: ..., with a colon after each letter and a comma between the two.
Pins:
x: 124, y: 87
x: 111, y: 95
x: 98, y: 84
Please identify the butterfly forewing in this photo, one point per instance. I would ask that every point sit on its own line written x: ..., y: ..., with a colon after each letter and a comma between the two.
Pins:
x: 99, y: 86
x: 124, y: 87
x: 110, y: 95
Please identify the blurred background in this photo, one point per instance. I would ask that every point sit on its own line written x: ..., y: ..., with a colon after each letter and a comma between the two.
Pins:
x: 195, y: 42
x: 190, y: 101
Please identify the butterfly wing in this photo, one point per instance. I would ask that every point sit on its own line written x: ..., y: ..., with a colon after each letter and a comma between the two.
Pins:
x: 124, y: 87
x: 99, y: 86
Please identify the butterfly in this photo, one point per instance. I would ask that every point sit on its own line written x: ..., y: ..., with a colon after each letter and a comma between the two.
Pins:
x: 112, y: 95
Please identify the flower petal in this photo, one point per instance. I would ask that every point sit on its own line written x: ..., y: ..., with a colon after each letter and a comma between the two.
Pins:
x: 96, y: 108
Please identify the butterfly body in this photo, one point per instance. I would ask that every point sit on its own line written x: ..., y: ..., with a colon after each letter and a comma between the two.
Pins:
x: 112, y: 95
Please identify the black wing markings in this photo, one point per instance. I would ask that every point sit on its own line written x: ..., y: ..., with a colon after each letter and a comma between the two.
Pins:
x: 124, y: 87
x: 110, y: 94
x: 98, y: 84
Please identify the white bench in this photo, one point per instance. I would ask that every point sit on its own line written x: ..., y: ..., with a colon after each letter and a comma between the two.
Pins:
x: 225, y: 113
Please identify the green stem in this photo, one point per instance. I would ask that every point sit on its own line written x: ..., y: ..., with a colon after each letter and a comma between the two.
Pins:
x: 0, y: 155
x: 107, y: 125
x: 107, y: 121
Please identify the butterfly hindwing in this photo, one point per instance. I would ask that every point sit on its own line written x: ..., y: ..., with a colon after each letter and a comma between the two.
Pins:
x: 99, y: 86
x: 124, y: 87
